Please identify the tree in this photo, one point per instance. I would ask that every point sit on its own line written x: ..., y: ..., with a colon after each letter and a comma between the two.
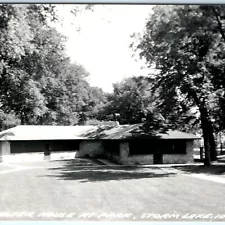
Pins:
x: 131, y: 102
x: 16, y: 39
x: 38, y: 83
x: 20, y: 89
x: 180, y: 42
x: 8, y: 120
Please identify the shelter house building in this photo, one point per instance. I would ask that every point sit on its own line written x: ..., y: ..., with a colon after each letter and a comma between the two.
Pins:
x: 123, y: 144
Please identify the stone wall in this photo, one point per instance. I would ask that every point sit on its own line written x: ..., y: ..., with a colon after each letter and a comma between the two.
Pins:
x: 122, y: 158
x: 5, y: 148
x: 112, y: 157
x: 181, y: 158
x: 140, y: 160
x: 90, y: 149
x: 127, y: 159
x: 124, y: 151
x: 190, y: 151
x: 174, y: 158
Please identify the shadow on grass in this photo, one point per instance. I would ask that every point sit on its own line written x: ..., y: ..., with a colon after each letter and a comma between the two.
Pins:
x: 79, y: 162
x: 73, y: 170
x: 213, y: 169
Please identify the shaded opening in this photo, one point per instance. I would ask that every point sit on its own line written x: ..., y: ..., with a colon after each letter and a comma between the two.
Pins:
x: 44, y: 146
x: 158, y: 158
x: 112, y: 146
x: 142, y: 147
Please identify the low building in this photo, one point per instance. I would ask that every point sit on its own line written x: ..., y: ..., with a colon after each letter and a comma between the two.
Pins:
x: 124, y: 144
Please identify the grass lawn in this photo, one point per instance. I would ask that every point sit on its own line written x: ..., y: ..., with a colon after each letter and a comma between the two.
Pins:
x: 213, y: 169
x: 83, y: 190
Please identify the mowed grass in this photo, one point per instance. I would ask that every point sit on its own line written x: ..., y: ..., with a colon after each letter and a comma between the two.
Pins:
x: 89, y: 191
x: 213, y: 169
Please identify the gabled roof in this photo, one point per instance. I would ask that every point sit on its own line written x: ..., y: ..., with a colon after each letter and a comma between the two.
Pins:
x: 175, y: 134
x: 39, y: 132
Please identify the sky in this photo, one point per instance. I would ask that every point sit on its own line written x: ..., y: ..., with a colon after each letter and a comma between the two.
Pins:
x: 102, y: 43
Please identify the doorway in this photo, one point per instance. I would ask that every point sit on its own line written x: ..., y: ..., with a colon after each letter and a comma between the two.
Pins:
x: 158, y: 158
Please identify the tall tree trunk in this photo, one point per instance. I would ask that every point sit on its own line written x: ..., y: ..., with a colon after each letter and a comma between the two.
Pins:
x: 22, y: 122
x: 219, y: 22
x: 212, y: 143
x: 207, y: 161
x: 207, y: 129
x: 209, y: 140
